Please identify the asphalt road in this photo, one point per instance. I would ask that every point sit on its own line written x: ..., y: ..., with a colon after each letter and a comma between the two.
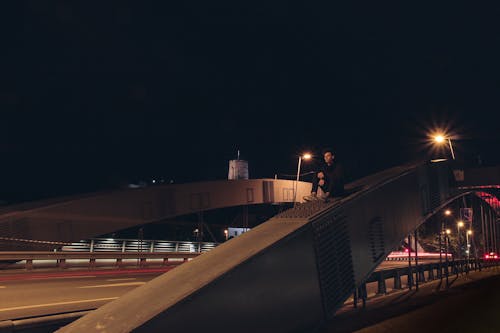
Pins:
x: 42, y: 294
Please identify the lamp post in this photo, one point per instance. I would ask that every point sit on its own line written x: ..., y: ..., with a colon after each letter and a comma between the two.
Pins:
x: 460, y: 224
x: 442, y: 235
x: 467, y: 234
x: 447, y: 242
x: 305, y: 156
x: 441, y: 138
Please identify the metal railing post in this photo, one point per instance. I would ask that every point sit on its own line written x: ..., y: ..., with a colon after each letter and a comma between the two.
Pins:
x: 397, y: 280
x: 381, y: 287
x: 363, y: 294
x: 430, y: 272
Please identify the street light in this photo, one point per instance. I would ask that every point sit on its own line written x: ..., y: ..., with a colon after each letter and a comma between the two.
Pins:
x: 441, y: 138
x: 469, y: 233
x: 305, y: 156
x: 460, y: 224
x: 447, y: 243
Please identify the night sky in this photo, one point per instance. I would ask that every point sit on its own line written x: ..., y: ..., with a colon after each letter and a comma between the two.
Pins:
x: 95, y: 95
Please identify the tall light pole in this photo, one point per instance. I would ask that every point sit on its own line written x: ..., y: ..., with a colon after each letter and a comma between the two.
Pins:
x: 441, y: 138
x: 305, y: 156
x: 442, y: 235
x: 447, y: 242
x: 469, y: 233
x: 460, y: 224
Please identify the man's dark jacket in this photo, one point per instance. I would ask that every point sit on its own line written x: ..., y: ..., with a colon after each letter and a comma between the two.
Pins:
x: 334, y: 175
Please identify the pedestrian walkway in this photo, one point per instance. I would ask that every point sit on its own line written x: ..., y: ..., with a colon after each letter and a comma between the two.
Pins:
x: 471, y: 304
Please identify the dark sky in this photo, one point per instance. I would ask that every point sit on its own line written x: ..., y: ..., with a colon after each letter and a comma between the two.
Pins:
x: 95, y: 94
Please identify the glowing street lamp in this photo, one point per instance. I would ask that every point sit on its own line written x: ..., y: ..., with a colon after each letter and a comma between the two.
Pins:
x: 460, y: 224
x: 447, y: 212
x: 467, y: 234
x: 305, y: 156
x: 441, y: 139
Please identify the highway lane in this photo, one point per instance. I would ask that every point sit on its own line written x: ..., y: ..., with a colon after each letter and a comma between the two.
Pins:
x: 22, y: 298
x: 391, y: 264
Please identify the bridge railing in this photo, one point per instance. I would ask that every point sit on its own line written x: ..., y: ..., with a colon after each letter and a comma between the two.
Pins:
x: 62, y: 260
x: 138, y: 245
x: 419, y: 274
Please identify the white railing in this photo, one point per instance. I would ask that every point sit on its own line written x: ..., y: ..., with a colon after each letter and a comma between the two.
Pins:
x: 137, y: 245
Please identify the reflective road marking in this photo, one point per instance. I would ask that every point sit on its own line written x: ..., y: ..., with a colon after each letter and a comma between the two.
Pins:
x: 59, y: 303
x: 115, y: 285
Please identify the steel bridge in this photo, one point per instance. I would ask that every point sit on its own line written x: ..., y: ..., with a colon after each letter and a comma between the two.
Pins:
x: 64, y: 220
x: 291, y: 273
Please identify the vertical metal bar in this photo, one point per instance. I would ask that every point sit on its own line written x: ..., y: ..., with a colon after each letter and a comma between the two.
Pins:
x: 440, y: 274
x: 446, y: 273
x: 416, y: 259
x: 493, y: 223
x: 487, y: 217
x: 397, y: 279
x: 483, y: 229
x: 297, y: 181
x: 410, y: 272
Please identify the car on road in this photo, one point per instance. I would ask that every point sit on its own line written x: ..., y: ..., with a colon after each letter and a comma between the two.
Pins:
x: 491, y: 255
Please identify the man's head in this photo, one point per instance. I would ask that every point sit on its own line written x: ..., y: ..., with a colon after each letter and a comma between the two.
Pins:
x: 328, y: 156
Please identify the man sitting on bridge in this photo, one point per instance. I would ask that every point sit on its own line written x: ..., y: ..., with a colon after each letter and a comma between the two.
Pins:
x: 329, y: 181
